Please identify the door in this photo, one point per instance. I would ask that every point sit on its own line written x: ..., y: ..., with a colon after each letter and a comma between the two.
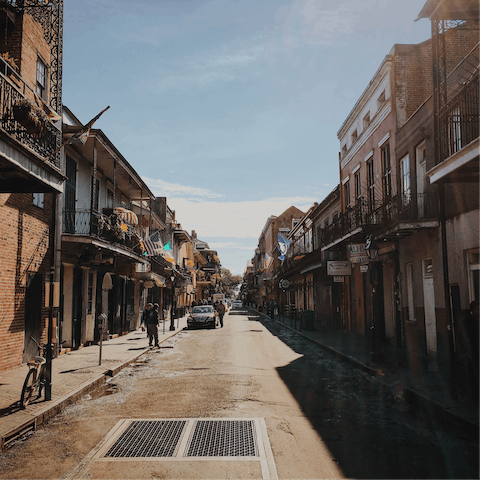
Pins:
x: 429, y: 307
x: 33, y: 315
x: 77, y: 308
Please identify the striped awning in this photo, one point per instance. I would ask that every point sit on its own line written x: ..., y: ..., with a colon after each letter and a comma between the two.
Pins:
x: 126, y: 215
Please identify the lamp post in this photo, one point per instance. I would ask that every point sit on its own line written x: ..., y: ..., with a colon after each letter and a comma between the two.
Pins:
x: 172, y: 308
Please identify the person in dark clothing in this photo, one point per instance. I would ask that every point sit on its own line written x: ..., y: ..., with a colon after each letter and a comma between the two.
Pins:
x: 220, y: 308
x: 150, y: 318
x: 469, y: 347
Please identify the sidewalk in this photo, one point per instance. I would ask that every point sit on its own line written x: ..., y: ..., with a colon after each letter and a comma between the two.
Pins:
x: 73, y: 374
x: 419, y: 381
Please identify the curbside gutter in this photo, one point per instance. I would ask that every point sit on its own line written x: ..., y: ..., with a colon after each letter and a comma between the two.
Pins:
x: 42, y: 415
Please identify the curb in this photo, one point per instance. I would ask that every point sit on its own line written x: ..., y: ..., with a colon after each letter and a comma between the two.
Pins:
x: 42, y: 415
x: 410, y: 396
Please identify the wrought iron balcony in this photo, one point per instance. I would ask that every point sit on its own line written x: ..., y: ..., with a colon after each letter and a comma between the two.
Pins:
x: 36, y: 133
x: 363, y: 219
x: 106, y: 227
x: 459, y: 119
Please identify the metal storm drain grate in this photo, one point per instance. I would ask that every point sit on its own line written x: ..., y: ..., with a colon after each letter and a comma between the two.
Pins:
x: 223, y: 438
x: 148, y: 439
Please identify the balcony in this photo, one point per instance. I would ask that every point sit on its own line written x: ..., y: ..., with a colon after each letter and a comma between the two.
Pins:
x: 400, y: 214
x: 33, y: 130
x: 110, y: 228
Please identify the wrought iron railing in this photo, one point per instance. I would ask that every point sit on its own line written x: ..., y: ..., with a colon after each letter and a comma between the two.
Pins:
x: 396, y: 209
x: 43, y: 143
x: 459, y: 121
x: 106, y: 227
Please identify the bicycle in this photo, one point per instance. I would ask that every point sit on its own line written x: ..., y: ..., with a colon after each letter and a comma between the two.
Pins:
x: 35, y: 379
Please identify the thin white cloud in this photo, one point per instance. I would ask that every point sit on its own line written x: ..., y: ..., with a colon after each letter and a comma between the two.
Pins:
x: 167, y: 189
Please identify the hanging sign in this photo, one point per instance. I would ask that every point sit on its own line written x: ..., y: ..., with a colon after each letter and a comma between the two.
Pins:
x: 358, y: 253
x: 284, y: 283
x: 339, y: 267
x: 148, y: 284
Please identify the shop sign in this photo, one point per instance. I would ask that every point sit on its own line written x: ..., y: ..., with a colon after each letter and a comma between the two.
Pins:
x: 339, y: 279
x: 358, y: 253
x: 339, y: 267
x: 363, y: 268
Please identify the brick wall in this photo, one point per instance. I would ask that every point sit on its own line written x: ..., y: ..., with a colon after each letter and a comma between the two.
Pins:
x: 24, y: 250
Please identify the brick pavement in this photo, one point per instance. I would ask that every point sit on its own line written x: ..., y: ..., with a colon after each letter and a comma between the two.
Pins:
x: 73, y: 374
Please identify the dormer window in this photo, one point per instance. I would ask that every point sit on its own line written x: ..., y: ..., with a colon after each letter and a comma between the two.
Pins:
x: 354, y: 136
x: 366, y: 120
x: 381, y: 100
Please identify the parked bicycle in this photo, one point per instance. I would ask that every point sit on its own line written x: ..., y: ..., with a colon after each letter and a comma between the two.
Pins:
x: 35, y: 380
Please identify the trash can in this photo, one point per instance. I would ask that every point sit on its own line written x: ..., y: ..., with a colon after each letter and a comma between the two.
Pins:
x: 308, y: 317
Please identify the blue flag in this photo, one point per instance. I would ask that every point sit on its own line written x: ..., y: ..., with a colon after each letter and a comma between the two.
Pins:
x: 283, y: 246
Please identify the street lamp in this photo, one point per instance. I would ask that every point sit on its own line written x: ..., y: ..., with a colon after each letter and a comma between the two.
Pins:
x: 172, y: 309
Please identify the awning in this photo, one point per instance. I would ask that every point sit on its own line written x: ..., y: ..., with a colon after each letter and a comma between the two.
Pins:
x: 312, y: 267
x: 150, y: 276
x: 126, y: 215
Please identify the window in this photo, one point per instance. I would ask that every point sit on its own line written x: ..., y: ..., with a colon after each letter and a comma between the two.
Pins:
x: 344, y: 150
x: 387, y: 170
x: 381, y: 100
x: 354, y: 136
x: 371, y: 184
x: 294, y: 223
x: 411, y: 304
x: 38, y: 200
x: 109, y: 198
x: 405, y: 180
x: 346, y: 189
x: 366, y: 120
x: 358, y: 188
x: 473, y: 260
x: 41, y: 86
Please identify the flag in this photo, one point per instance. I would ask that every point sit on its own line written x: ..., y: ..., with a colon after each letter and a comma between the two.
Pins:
x: 153, y: 245
x: 268, y: 260
x: 283, y: 246
x: 82, y: 135
x: 167, y: 246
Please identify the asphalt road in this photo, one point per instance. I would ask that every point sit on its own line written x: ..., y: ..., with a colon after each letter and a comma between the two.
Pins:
x: 324, y: 418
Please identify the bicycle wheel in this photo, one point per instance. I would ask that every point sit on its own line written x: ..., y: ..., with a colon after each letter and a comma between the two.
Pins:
x: 28, y: 388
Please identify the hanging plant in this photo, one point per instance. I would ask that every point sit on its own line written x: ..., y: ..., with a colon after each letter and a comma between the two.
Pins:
x: 30, y: 116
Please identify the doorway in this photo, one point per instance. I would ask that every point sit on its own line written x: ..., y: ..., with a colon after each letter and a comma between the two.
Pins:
x: 77, y: 308
x: 33, y: 315
x: 429, y: 307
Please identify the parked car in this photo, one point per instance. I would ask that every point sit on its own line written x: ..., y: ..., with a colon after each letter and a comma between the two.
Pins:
x: 203, y: 316
x: 237, y: 304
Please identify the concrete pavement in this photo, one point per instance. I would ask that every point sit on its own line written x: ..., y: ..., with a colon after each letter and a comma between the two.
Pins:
x: 74, y: 374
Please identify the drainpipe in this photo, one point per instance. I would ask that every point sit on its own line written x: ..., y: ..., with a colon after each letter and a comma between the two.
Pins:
x: 446, y: 292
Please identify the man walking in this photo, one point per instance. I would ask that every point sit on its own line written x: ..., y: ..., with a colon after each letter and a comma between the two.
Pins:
x: 221, y: 312
x: 150, y: 318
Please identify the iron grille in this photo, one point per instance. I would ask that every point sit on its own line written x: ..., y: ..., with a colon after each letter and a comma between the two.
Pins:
x: 148, y: 439
x: 223, y: 438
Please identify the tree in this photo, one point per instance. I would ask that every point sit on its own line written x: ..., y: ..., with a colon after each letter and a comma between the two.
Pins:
x: 230, y: 282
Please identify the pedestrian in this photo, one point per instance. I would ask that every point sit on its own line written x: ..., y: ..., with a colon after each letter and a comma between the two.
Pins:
x: 151, y: 320
x: 468, y: 346
x: 221, y: 312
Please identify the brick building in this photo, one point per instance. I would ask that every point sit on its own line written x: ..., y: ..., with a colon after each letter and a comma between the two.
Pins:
x: 30, y: 174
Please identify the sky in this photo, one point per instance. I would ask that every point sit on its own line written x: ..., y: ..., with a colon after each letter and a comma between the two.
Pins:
x: 230, y: 109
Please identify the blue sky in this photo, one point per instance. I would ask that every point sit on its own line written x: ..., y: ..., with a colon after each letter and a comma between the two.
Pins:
x: 229, y: 108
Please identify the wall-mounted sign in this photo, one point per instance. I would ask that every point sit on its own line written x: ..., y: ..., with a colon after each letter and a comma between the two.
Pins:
x: 363, y: 268
x: 358, y: 253
x: 339, y: 267
x: 338, y: 279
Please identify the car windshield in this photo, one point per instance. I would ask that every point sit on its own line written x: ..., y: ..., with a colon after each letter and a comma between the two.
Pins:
x: 204, y: 309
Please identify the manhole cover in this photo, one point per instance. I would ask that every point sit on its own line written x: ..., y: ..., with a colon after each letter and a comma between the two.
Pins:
x: 148, y: 439
x: 223, y: 438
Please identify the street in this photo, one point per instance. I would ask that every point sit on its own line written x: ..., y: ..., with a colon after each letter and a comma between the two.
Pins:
x: 324, y: 418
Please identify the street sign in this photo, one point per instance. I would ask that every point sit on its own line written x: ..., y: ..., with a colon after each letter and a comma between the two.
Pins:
x: 338, y: 279
x: 339, y: 267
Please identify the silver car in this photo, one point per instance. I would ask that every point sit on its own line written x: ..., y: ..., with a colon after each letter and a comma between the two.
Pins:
x: 203, y: 316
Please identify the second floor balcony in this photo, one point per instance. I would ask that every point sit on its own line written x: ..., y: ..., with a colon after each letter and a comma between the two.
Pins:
x: 112, y: 228
x: 26, y: 119
x: 399, y: 213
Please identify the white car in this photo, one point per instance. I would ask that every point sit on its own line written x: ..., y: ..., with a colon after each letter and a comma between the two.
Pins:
x: 237, y: 304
